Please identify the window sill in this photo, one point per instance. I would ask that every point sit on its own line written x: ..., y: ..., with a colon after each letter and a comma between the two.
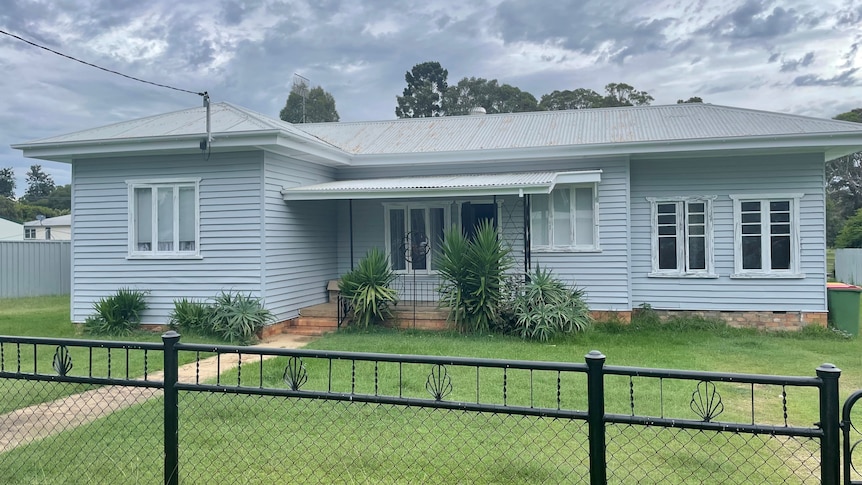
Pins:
x: 751, y: 276
x: 163, y: 256
x: 565, y: 250
x: 683, y: 275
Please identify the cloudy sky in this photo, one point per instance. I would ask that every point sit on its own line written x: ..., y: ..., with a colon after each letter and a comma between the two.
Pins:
x: 799, y: 57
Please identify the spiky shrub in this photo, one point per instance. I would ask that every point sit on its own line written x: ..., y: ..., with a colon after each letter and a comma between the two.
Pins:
x: 472, y: 274
x: 547, y: 307
x: 191, y: 315
x: 367, y: 288
x: 118, y: 314
x: 238, y: 317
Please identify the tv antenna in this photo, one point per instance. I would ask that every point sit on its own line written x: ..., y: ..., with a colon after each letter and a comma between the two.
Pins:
x: 300, y: 87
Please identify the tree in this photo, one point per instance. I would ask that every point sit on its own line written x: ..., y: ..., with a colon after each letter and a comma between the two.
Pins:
x: 319, y: 105
x: 843, y: 187
x: 851, y: 234
x: 580, y: 98
x: 622, y: 94
x: 423, y: 96
x: 693, y: 99
x: 59, y: 199
x: 39, y: 184
x: 854, y: 115
x: 616, y: 94
x: 7, y: 183
x: 474, y: 92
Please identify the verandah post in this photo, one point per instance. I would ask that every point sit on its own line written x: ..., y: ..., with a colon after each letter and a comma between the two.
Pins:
x: 171, y: 371
x: 830, y: 447
x: 596, y: 417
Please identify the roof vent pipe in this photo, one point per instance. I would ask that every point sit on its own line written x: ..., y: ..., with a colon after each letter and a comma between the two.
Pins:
x: 478, y: 110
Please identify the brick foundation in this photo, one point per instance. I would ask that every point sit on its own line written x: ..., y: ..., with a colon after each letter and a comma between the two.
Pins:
x: 760, y: 320
x: 601, y: 316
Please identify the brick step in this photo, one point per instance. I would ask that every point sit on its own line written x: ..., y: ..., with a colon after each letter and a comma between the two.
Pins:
x: 315, y: 322
x: 328, y: 310
x: 309, y: 330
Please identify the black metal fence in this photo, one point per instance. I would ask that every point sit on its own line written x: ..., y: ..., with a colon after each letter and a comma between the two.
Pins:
x: 93, y: 411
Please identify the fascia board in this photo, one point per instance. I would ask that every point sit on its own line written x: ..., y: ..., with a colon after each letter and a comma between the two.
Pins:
x: 410, y: 193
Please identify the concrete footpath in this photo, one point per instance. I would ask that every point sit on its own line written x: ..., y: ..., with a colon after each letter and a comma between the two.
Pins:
x: 35, y: 422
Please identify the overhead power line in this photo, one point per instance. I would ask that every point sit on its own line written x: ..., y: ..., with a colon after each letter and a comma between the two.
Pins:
x: 100, y: 67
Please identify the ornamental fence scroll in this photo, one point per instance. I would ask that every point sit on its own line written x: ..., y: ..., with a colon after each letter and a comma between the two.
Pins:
x: 252, y: 413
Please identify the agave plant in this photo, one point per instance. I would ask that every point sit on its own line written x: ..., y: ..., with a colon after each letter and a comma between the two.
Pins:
x: 118, y: 314
x: 237, y: 317
x: 367, y: 288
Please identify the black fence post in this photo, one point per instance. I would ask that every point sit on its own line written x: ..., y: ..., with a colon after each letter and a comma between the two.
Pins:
x: 830, y: 447
x: 596, y: 417
x: 171, y: 371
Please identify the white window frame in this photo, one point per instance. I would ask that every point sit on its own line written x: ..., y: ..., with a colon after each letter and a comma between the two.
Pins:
x: 766, y: 258
x: 407, y: 207
x: 682, y: 232
x: 572, y: 248
x: 29, y: 233
x: 154, y: 184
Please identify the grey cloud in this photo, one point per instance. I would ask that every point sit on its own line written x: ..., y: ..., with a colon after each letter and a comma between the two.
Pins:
x: 774, y: 57
x: 584, y: 27
x: 851, y: 16
x: 232, y: 12
x: 791, y: 65
x: 752, y: 21
x: 845, y: 79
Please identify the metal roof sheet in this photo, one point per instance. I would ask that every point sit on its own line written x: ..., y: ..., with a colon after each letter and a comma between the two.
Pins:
x: 680, y: 122
x: 224, y: 118
x: 436, y: 185
x: 65, y: 220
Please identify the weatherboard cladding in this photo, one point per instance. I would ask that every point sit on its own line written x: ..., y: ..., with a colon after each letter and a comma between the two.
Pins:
x: 681, y: 122
x: 301, y: 243
x: 230, y: 229
x: 721, y: 177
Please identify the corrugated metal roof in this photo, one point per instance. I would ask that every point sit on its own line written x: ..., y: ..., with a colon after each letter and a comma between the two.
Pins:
x: 224, y: 118
x: 680, y: 122
x: 436, y: 185
x: 52, y: 221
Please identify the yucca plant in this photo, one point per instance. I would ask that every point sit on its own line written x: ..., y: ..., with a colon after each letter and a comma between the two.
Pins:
x: 367, y: 288
x: 547, y: 307
x: 237, y: 317
x: 473, y: 274
x: 118, y: 314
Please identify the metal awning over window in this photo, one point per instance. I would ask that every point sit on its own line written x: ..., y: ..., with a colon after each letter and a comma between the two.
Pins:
x: 442, y: 186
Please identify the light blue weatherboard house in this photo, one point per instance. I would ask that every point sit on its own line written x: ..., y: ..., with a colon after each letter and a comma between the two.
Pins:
x: 690, y: 207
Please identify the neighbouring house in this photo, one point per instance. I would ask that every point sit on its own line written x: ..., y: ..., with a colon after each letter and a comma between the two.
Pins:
x: 690, y: 207
x: 10, y: 231
x: 51, y: 229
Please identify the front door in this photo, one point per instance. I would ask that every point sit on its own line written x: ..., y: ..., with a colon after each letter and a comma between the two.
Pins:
x: 473, y: 214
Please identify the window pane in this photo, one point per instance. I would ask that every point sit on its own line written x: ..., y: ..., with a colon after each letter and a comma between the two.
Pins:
x: 667, y: 253
x: 187, y: 218
x: 779, y: 217
x: 780, y: 229
x: 667, y: 208
x: 539, y: 217
x: 562, y: 218
x: 418, y: 239
x: 696, y: 230
x: 396, y: 239
x: 751, y: 229
x: 696, y: 253
x: 780, y: 252
x: 166, y: 218
x: 751, y: 257
x: 667, y: 230
x: 751, y: 206
x: 436, y: 239
x: 781, y: 205
x: 143, y: 211
x: 696, y: 218
x: 667, y: 218
x: 584, y: 213
x: 750, y: 217
x: 696, y: 207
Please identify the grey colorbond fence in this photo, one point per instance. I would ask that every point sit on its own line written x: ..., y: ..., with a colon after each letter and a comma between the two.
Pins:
x: 35, y: 268
x: 308, y: 416
x: 848, y: 265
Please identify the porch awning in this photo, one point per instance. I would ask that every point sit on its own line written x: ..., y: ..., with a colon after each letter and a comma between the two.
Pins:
x: 442, y: 186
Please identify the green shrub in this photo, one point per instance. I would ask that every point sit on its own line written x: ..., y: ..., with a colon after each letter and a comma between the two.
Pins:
x: 850, y: 235
x: 547, y: 308
x: 118, y: 314
x: 473, y: 273
x: 191, y: 315
x: 238, y: 317
x: 367, y: 288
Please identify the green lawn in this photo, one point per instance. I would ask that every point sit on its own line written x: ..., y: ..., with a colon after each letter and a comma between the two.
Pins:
x: 248, y: 439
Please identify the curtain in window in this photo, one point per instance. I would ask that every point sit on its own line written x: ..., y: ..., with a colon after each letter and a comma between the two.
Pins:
x: 584, y: 217
x: 143, y: 219
x: 187, y: 221
x: 165, y: 218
